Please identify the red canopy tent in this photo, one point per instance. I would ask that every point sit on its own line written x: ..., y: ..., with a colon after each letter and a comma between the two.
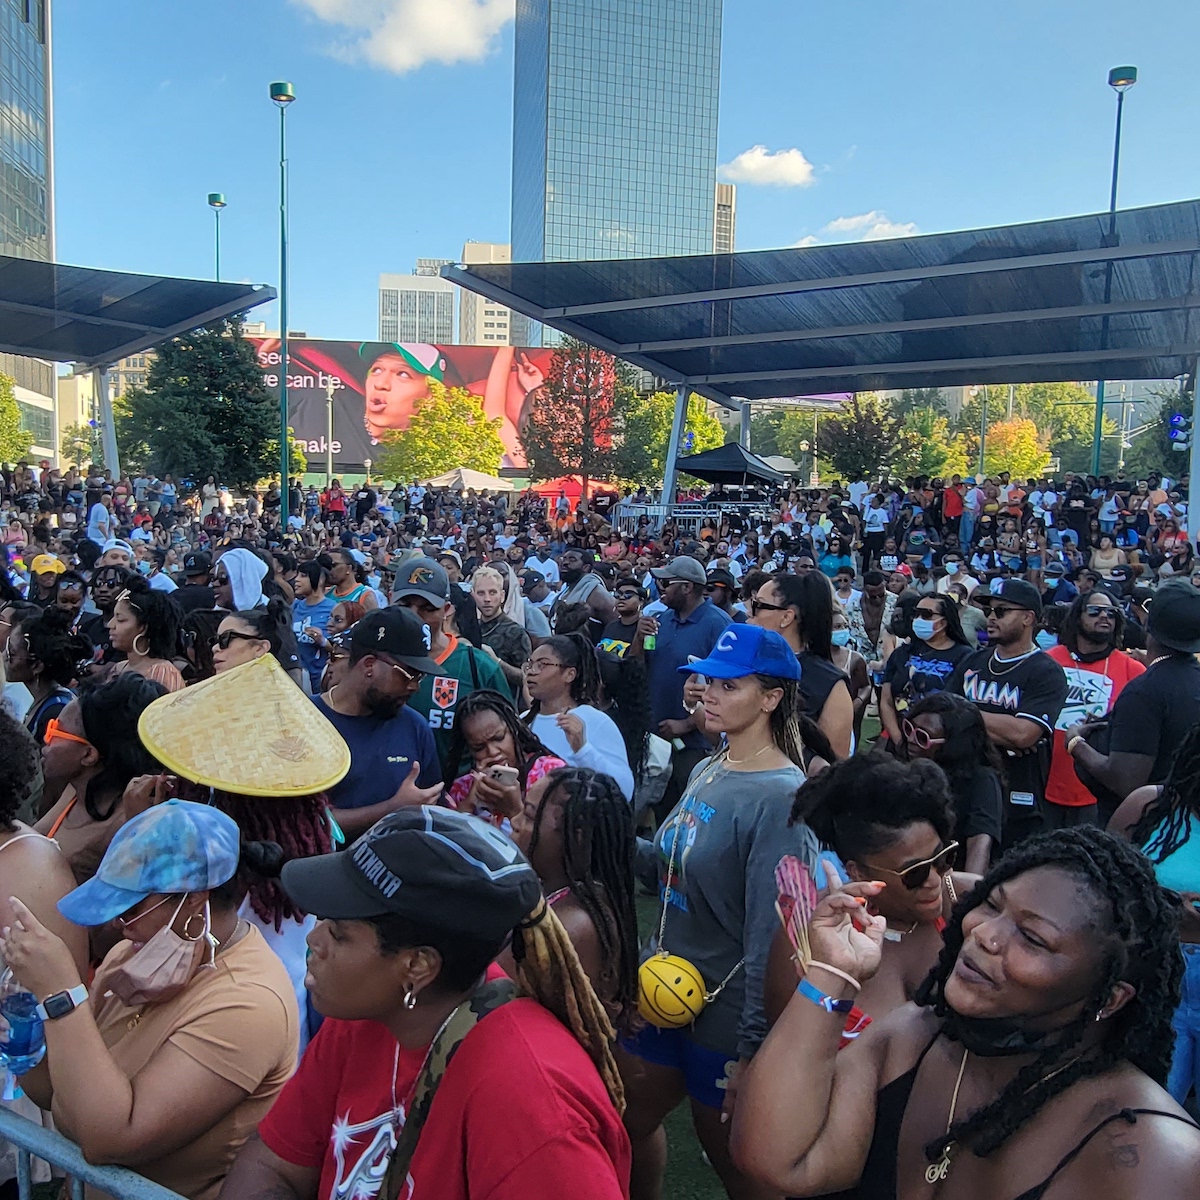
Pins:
x: 572, y: 485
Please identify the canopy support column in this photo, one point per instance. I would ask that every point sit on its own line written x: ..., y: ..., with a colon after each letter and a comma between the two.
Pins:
x: 681, y: 403
x: 1193, y: 507
x: 744, y: 433
x: 104, y: 412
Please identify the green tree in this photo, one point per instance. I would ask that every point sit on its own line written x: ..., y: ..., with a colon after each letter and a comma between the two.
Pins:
x: 764, y: 432
x: 931, y: 448
x: 80, y: 445
x: 641, y: 455
x: 206, y: 410
x: 1017, y: 446
x: 448, y: 429
x: 864, y: 440
x: 14, y: 441
x: 916, y: 399
x: 572, y: 423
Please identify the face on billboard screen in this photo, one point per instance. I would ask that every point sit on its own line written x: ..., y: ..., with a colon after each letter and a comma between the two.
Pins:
x: 378, y: 385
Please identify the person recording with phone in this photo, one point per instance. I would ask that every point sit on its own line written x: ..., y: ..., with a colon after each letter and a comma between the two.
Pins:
x: 507, y: 758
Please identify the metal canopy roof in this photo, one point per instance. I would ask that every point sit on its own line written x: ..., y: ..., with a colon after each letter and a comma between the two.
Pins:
x: 1051, y: 300
x: 93, y: 317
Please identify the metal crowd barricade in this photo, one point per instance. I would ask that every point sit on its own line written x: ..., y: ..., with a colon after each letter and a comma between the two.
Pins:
x: 33, y: 1141
x: 628, y: 516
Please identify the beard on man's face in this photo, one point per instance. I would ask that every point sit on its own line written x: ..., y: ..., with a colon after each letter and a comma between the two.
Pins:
x: 381, y: 705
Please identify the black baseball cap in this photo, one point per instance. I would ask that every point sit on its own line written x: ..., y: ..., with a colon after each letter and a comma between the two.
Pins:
x: 199, y: 563
x: 1021, y: 593
x: 530, y: 579
x: 722, y: 578
x: 423, y: 578
x: 1175, y: 617
x: 397, y: 633
x: 431, y: 865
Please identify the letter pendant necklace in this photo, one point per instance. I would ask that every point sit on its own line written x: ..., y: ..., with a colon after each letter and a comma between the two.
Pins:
x: 937, y: 1172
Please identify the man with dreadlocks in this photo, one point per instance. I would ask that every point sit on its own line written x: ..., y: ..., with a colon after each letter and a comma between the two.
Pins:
x: 1030, y: 1066
x: 433, y: 1076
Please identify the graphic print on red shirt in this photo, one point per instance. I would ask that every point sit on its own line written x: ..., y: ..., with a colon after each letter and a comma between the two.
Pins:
x: 521, y: 1114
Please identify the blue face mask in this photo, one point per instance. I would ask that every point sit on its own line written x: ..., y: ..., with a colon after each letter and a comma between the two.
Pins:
x: 1045, y: 639
x: 922, y: 628
x: 144, y: 567
x: 840, y: 637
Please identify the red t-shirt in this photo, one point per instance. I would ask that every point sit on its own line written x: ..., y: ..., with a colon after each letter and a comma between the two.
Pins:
x: 521, y: 1114
x: 952, y: 502
x: 1093, y: 689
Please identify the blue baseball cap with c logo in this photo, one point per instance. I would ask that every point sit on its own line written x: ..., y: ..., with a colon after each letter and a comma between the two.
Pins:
x: 743, y: 650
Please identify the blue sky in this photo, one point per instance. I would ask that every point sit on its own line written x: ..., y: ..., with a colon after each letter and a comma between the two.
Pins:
x: 926, y: 115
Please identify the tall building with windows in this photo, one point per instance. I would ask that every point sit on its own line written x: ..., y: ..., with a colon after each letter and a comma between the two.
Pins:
x: 417, y: 307
x: 614, y: 128
x: 483, y: 322
x: 27, y: 188
x: 725, y: 219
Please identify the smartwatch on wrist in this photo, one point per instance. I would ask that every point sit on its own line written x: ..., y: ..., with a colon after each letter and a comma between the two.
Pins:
x: 62, y: 1003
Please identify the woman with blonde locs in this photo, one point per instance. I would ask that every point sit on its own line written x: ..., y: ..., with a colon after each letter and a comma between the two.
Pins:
x: 717, y: 852
x: 1030, y: 1066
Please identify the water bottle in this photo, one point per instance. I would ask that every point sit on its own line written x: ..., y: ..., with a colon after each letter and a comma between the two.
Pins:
x: 22, y: 1038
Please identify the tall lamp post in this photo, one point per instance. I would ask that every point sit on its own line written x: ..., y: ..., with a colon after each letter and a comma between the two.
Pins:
x: 282, y: 93
x: 1120, y: 79
x: 216, y: 201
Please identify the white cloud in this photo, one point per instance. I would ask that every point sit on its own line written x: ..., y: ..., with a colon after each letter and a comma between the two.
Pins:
x: 872, y: 226
x: 402, y: 35
x: 770, y: 168
x: 806, y: 241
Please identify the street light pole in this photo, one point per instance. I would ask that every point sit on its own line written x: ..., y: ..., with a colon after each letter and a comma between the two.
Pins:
x: 282, y: 93
x: 329, y: 390
x: 216, y: 201
x: 983, y: 431
x: 1120, y: 79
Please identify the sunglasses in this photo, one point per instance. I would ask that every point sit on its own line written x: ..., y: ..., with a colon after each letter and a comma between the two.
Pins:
x: 757, y: 606
x: 1000, y: 611
x: 1107, y: 611
x: 54, y: 730
x: 226, y: 637
x: 914, y: 877
x: 918, y: 736
x: 627, y: 596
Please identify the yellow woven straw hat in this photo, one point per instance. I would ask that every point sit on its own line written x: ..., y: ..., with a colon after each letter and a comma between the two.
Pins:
x: 249, y: 730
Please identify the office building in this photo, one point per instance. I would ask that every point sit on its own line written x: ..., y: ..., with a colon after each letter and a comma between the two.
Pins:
x: 725, y: 219
x: 614, y: 128
x: 27, y: 188
x: 417, y: 307
x: 483, y: 322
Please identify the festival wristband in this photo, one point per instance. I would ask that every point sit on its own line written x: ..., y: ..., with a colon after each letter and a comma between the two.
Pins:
x: 836, y: 971
x: 1074, y: 742
x: 821, y: 1000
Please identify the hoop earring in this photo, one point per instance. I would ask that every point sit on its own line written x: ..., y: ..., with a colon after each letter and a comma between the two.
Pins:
x: 410, y: 997
x: 144, y: 653
x: 188, y: 924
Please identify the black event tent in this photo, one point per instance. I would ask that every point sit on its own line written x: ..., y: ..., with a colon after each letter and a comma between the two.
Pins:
x: 729, y: 464
x: 1050, y: 300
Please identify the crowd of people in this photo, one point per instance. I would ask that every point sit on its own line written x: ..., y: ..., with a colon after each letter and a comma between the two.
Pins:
x: 328, y: 838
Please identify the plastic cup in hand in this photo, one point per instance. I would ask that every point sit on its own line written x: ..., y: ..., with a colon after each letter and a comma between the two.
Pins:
x: 22, y: 1038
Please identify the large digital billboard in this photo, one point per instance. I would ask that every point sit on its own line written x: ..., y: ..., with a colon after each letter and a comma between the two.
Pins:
x: 377, y: 386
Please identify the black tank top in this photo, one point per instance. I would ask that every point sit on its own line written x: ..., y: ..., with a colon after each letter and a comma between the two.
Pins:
x: 878, y: 1180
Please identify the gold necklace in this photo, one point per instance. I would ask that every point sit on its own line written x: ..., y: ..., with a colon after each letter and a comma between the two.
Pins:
x: 737, y: 762
x: 936, y: 1172
x: 898, y: 935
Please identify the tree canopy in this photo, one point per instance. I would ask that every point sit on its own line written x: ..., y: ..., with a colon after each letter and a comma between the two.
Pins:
x: 80, y: 445
x: 865, y: 440
x: 641, y: 456
x: 1017, y: 446
x: 14, y: 441
x: 448, y: 429
x: 205, y: 410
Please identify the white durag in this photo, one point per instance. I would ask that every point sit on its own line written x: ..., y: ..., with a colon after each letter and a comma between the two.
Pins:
x: 246, y: 572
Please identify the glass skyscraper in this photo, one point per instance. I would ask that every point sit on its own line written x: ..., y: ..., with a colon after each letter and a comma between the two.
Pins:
x: 614, y: 128
x: 25, y: 186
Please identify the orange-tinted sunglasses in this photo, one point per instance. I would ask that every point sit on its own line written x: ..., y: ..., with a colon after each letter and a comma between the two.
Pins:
x: 54, y: 730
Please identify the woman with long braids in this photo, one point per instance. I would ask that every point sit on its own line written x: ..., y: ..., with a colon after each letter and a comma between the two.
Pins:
x: 892, y: 821
x: 528, y: 1095
x: 577, y: 831
x: 1030, y: 1066
x: 1164, y: 820
x: 91, y: 753
x: 488, y: 730
x: 717, y: 851
x: 563, y: 681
